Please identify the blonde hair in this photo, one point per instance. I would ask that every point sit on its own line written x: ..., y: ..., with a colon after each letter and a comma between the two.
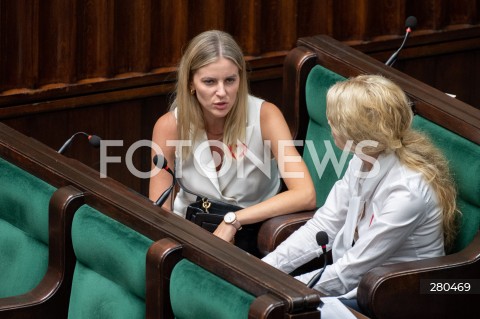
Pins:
x: 371, y: 107
x: 205, y: 48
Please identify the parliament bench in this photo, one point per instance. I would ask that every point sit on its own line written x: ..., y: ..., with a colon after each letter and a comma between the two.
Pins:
x: 113, y: 209
x: 24, y: 228
x: 392, y: 291
x: 110, y: 274
x: 35, y: 260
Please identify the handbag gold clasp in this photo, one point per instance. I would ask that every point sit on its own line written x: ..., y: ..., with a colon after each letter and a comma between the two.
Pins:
x: 206, y: 205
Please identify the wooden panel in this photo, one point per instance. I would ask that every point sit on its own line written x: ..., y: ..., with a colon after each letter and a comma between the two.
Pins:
x: 132, y: 36
x: 444, y: 60
x: 18, y: 44
x: 350, y: 20
x: 244, y: 24
x: 168, y: 41
x: 316, y: 17
x: 462, y: 12
x: 66, y: 43
x: 56, y: 38
x: 278, y: 21
x: 95, y: 25
x: 439, y: 73
x: 385, y: 19
x: 430, y: 13
x: 205, y: 15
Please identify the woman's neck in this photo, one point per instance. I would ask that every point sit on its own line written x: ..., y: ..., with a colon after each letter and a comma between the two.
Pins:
x: 214, y: 129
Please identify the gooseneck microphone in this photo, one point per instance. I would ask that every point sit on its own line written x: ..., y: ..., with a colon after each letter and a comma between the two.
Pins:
x: 410, y: 24
x: 322, y: 241
x: 94, y: 140
x: 161, y: 162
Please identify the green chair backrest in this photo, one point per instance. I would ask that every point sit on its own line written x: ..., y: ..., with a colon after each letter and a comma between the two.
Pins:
x: 325, y: 162
x: 109, y: 277
x: 24, y: 201
x: 197, y: 293
x: 464, y: 160
x: 464, y: 155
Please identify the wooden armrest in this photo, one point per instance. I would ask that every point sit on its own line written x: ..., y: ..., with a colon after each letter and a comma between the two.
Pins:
x: 50, y: 297
x: 277, y: 229
x: 394, y: 291
x: 162, y: 256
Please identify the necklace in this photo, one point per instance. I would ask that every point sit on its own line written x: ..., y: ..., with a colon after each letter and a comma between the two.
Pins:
x: 211, y: 133
x: 215, y: 139
x: 214, y: 136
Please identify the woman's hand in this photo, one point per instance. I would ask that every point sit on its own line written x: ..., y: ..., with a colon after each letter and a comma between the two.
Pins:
x: 226, y: 232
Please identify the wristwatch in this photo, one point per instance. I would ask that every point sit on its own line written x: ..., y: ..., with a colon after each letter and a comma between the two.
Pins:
x: 230, y: 218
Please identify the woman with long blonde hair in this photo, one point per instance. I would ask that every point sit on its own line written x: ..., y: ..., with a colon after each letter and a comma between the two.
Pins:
x: 396, y: 201
x: 226, y: 143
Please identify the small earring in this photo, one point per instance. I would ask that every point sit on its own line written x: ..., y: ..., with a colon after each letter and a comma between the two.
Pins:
x: 192, y: 91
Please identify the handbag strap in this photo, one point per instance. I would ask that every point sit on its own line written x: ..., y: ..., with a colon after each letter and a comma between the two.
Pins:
x: 189, y: 191
x: 183, y: 186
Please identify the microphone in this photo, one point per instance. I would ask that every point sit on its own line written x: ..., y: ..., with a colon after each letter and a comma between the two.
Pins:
x: 410, y: 24
x: 322, y: 241
x: 94, y: 140
x: 157, y: 159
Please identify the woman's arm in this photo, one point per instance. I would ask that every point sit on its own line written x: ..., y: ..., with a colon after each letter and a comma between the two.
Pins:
x: 395, y: 220
x: 301, y: 246
x: 300, y: 193
x: 165, y: 129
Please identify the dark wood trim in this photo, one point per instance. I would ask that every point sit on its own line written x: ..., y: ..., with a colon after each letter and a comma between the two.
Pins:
x: 159, y: 81
x: 429, y: 102
x: 136, y: 211
x: 162, y: 257
x: 423, y: 43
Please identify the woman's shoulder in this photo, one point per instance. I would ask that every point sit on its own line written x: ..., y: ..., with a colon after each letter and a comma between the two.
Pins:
x: 167, y: 123
x: 410, y: 181
x: 167, y: 118
x: 254, y: 100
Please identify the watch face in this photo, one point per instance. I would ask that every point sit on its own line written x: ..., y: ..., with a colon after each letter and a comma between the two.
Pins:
x: 230, y: 218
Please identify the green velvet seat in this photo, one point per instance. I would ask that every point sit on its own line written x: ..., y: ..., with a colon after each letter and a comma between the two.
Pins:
x: 464, y: 159
x: 197, y: 293
x: 109, y: 277
x: 326, y: 163
x: 457, y: 149
x: 24, y: 201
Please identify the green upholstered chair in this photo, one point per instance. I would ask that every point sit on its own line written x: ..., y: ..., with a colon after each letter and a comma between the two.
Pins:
x: 325, y: 161
x: 327, y: 169
x: 197, y: 293
x: 464, y: 159
x: 24, y: 201
x: 411, y: 282
x: 191, y: 289
x: 36, y: 257
x: 109, y: 277
x: 391, y: 291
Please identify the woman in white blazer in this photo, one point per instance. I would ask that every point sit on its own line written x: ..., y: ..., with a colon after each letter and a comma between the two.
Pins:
x: 227, y: 144
x: 396, y: 201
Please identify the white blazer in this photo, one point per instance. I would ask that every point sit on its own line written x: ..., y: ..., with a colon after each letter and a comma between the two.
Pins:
x: 402, y: 221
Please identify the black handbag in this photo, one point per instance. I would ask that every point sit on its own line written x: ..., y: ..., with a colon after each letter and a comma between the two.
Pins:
x: 208, y: 214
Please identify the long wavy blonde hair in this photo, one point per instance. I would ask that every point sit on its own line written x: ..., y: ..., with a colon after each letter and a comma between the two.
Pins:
x: 205, y: 48
x: 371, y: 107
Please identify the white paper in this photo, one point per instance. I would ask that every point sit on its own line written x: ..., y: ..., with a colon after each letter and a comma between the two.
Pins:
x: 334, y: 309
